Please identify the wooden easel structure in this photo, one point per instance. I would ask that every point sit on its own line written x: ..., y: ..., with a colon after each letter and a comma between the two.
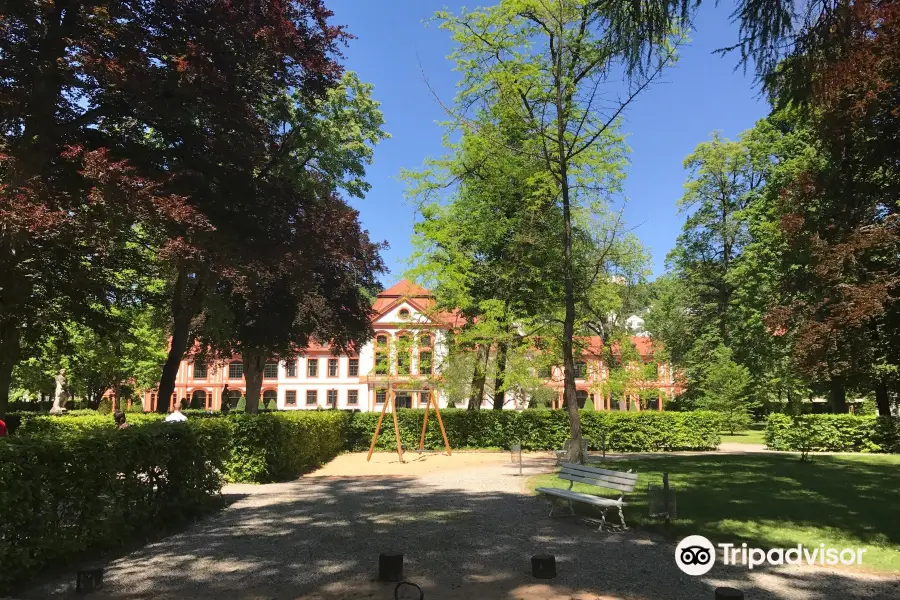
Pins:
x: 389, y: 401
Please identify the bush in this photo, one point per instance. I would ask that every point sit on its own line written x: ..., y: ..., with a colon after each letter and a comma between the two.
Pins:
x: 541, y: 429
x: 105, y: 406
x: 96, y: 488
x: 833, y: 433
x: 273, y: 446
x: 241, y: 404
x: 282, y: 445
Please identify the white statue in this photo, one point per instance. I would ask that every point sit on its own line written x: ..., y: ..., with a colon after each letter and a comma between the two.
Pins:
x: 62, y: 396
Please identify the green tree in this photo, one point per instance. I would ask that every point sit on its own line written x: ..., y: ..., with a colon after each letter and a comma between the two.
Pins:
x: 725, y: 390
x: 546, y: 65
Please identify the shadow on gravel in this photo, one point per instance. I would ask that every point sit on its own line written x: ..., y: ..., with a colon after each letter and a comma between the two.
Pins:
x: 319, y: 538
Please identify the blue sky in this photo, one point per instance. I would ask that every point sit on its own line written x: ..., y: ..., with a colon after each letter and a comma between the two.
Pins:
x: 396, y: 51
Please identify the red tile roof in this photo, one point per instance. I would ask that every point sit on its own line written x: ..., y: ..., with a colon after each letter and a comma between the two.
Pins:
x: 594, y: 346
x: 419, y: 298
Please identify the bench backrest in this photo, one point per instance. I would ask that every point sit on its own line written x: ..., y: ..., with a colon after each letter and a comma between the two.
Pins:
x: 614, y: 480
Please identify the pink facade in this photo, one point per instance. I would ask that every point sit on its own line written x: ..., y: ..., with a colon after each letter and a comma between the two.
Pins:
x: 403, y: 313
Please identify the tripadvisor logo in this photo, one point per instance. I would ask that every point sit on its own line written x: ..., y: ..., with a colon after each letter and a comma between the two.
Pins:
x: 695, y: 555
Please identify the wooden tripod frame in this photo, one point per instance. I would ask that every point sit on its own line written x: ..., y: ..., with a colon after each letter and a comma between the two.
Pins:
x: 390, y: 401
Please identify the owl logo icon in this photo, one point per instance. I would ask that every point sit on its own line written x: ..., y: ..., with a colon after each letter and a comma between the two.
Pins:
x: 695, y: 555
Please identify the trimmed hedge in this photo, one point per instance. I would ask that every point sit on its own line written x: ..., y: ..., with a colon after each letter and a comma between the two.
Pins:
x: 279, y: 446
x: 542, y: 429
x: 98, y: 488
x: 262, y: 448
x: 833, y: 433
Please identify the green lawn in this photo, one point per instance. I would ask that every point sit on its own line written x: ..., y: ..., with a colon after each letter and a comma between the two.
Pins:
x: 773, y: 500
x: 754, y: 435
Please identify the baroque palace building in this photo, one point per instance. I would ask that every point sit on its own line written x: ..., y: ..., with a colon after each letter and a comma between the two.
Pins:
x: 402, y: 359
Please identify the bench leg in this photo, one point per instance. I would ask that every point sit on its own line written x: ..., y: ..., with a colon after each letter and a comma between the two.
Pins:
x: 602, y: 518
x: 571, y: 508
x: 622, y: 517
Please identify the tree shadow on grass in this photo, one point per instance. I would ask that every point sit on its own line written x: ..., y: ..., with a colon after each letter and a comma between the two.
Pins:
x: 849, y: 496
x: 320, y: 538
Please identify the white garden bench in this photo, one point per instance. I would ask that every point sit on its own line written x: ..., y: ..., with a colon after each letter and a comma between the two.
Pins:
x: 602, y: 478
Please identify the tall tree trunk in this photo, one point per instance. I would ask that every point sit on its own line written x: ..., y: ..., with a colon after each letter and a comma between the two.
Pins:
x: 479, y: 376
x: 254, y: 363
x: 500, y: 376
x: 187, y: 300
x: 10, y: 345
x: 837, y: 395
x: 882, y: 398
x: 563, y: 103
x: 575, y: 454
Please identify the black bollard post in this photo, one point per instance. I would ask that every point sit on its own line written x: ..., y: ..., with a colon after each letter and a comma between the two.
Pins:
x: 390, y: 566
x: 89, y: 580
x: 727, y: 593
x: 543, y: 566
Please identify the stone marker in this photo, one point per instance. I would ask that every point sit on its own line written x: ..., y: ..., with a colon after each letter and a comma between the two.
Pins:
x: 390, y: 566
x: 543, y: 566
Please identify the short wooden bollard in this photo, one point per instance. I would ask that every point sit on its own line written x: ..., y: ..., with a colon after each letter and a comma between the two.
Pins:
x: 727, y: 593
x: 390, y: 566
x: 89, y: 580
x: 543, y: 566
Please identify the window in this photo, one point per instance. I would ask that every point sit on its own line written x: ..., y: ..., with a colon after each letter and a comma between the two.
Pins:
x: 580, y: 369
x: 403, y: 313
x: 331, y: 396
x: 425, y: 341
x: 404, y: 355
x: 290, y: 398
x: 381, y: 355
x: 270, y: 399
x: 312, y: 367
x: 199, y: 370
x: 423, y: 399
x: 546, y: 372
x: 353, y: 397
x: 332, y: 367
x: 312, y: 397
x: 270, y: 371
x: 235, y: 369
x: 380, y: 396
x: 291, y: 368
x: 425, y: 363
x: 354, y: 367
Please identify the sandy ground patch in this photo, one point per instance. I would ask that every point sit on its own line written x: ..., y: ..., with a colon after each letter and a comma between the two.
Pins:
x: 387, y: 463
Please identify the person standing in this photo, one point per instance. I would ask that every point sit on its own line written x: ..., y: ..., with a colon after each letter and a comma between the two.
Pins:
x: 225, y: 407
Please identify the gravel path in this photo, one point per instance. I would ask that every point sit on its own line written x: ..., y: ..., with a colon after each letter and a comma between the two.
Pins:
x: 466, y: 533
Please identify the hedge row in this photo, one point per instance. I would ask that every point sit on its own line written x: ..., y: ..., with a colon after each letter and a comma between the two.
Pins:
x: 833, y: 433
x: 62, y: 495
x: 280, y: 446
x: 541, y: 430
x: 260, y: 448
